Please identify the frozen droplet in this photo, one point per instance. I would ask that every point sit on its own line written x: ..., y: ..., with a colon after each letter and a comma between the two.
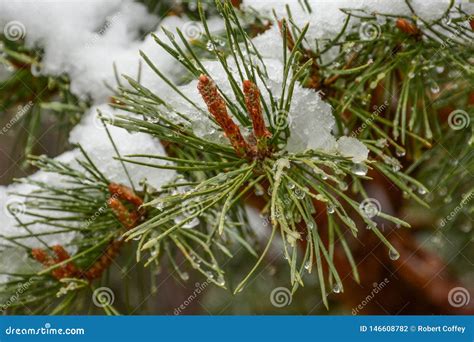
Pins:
x: 359, y: 169
x: 393, y: 254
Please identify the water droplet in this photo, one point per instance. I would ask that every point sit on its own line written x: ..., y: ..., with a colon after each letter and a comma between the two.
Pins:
x: 381, y: 142
x: 331, y: 209
x: 307, y: 265
x: 434, y: 88
x: 393, y: 254
x: 210, y: 46
x: 422, y: 191
x: 337, y: 288
x: 359, y: 169
x: 220, y: 281
x: 291, y: 185
x: 185, y: 276
x: 400, y: 152
x: 310, y: 225
x: 343, y: 186
x: 259, y: 191
x: 35, y: 70
x: 411, y: 74
x: 299, y: 193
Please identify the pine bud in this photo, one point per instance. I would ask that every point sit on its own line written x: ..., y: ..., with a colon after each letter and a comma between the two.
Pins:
x: 40, y: 255
x: 121, y: 212
x: 254, y: 108
x: 407, y: 27
x: 217, y: 107
x: 125, y: 193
